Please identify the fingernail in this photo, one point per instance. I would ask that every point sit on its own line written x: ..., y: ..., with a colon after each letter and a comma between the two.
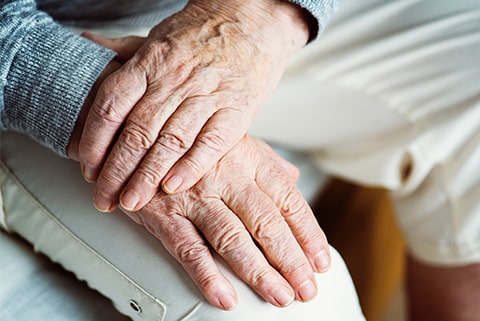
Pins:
x: 227, y: 301
x: 102, y: 203
x: 130, y: 200
x: 172, y: 184
x: 322, y: 261
x: 284, y: 297
x: 307, y: 291
x: 89, y: 173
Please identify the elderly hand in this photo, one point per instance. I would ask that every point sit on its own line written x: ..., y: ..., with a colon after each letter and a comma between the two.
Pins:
x: 186, y: 96
x: 250, y: 196
x: 249, y: 211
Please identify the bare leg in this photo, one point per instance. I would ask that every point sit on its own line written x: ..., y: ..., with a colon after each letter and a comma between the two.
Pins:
x: 443, y: 293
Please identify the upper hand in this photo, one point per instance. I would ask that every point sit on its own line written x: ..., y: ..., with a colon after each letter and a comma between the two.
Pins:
x: 185, y: 97
x: 250, y: 196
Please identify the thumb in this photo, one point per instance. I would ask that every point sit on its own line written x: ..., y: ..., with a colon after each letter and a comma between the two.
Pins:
x: 124, y: 46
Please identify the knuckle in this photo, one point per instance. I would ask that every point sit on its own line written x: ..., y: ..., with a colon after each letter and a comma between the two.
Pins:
x: 192, y: 253
x: 152, y: 48
x: 152, y: 53
x: 106, y: 110
x: 297, y: 268
x: 293, y: 203
x: 162, y: 227
x: 213, y: 141
x: 268, y: 228
x: 194, y: 166
x: 231, y: 242
x: 260, y: 276
x: 147, y: 173
x: 207, y: 280
x: 173, y: 143
x: 136, y: 138
x: 109, y: 177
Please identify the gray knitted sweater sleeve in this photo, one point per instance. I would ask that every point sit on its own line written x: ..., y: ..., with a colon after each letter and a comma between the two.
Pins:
x: 46, y: 73
x: 321, y: 10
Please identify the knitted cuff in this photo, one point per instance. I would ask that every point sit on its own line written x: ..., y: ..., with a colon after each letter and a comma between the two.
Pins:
x: 321, y: 12
x: 48, y: 82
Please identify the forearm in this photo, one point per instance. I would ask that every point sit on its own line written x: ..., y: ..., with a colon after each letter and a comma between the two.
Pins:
x: 263, y: 23
x: 289, y: 25
x: 46, y: 73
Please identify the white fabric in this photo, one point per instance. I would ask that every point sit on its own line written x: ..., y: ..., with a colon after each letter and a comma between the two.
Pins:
x: 3, y: 222
x: 34, y: 288
x: 390, y: 96
x: 47, y: 202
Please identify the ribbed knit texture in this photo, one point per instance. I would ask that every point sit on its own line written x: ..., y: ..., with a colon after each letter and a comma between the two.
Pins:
x: 322, y: 10
x: 46, y: 72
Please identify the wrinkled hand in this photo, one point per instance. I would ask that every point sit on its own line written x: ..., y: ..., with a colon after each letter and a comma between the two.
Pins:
x: 186, y: 96
x: 250, y: 196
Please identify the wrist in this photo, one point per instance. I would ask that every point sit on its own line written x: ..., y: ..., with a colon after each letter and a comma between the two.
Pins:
x: 78, y: 129
x: 293, y: 20
x: 279, y: 23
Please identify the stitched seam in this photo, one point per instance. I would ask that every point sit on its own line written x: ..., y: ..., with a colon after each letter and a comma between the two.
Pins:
x: 26, y: 193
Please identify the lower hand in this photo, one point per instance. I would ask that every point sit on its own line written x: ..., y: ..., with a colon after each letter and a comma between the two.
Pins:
x: 250, y: 196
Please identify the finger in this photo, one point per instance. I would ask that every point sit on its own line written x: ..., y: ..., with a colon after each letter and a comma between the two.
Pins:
x: 182, y: 240
x: 141, y: 131
x: 262, y: 218
x: 125, y: 47
x: 146, y: 152
x: 175, y: 138
x: 297, y: 213
x: 108, y: 184
x: 225, y: 128
x: 233, y: 243
x: 135, y: 140
x: 111, y: 106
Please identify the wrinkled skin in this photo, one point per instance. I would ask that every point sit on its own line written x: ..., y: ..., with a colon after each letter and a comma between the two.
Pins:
x: 185, y: 96
x: 248, y: 210
x: 248, y: 196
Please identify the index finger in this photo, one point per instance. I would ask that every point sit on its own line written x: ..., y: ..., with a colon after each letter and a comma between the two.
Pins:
x: 115, y: 98
x: 182, y: 240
